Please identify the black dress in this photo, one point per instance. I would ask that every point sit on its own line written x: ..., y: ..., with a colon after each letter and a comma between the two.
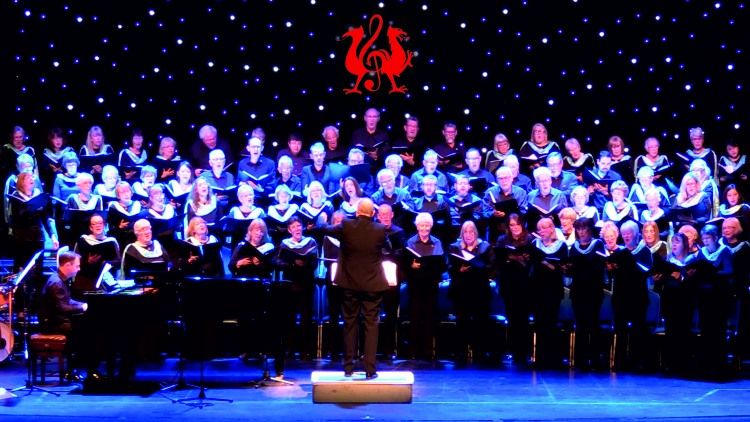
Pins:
x: 513, y: 266
x: 547, y: 285
x: 471, y: 295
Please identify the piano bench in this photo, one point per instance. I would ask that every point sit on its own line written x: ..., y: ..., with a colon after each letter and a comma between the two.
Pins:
x: 43, y: 347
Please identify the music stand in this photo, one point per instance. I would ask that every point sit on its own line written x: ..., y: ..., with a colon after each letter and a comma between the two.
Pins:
x: 181, y: 384
x: 22, y: 281
x: 267, y: 379
x: 197, y: 299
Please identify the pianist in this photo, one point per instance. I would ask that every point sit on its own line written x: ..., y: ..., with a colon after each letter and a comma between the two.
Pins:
x: 56, y: 306
x: 145, y: 254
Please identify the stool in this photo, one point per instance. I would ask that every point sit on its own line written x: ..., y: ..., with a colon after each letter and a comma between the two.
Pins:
x: 46, y: 346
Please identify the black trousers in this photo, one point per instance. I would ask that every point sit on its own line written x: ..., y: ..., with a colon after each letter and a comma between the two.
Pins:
x: 367, y: 304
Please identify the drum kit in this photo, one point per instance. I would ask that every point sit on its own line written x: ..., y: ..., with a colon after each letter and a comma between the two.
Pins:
x: 7, y: 287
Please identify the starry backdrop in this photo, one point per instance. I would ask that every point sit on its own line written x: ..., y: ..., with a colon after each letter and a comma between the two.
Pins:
x: 585, y: 68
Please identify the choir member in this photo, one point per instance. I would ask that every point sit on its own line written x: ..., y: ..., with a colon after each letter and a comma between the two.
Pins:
x: 142, y: 186
x: 450, y: 152
x: 519, y: 179
x: 579, y: 198
x: 163, y: 219
x: 220, y: 180
x: 566, y: 232
x: 286, y: 177
x: 319, y: 170
x: 410, y: 146
x: 534, y: 151
x: 548, y: 258
x: 280, y: 212
x: 577, y: 161
x: 395, y: 242
x: 481, y: 179
x: 502, y: 200
x: 167, y: 160
x: 562, y: 180
x: 24, y: 163
x: 470, y: 264
x: 495, y: 158
x: 394, y: 163
x: 464, y: 205
x: 698, y: 150
x: 180, y: 186
x: 660, y: 166
x: 202, y: 203
x: 10, y: 152
x: 599, y: 179
x: 732, y: 168
x: 619, y: 209
x: 234, y: 224
x: 707, y: 183
x: 351, y: 193
x: 371, y: 138
x: 96, y: 250
x: 652, y: 239
x: 513, y: 267
x: 645, y: 182
x: 298, y: 157
x: 733, y: 205
x: 586, y: 269
x: 622, y: 163
x: 732, y: 230
x: 692, y: 205
x: 51, y: 160
x: 144, y: 255
x: 544, y: 201
x: 330, y: 249
x: 297, y: 259
x: 65, y: 182
x: 79, y: 208
x: 95, y: 146
x: 654, y: 213
x: 316, y: 204
x: 671, y: 281
x: 256, y: 170
x: 630, y: 274
x: 424, y: 263
x: 335, y: 150
x: 200, y: 254
x: 389, y: 193
x: 429, y: 168
x: 30, y: 220
x: 133, y: 157
x: 711, y: 289
x: 253, y: 257
x: 122, y: 214
x: 107, y: 189
x: 200, y: 151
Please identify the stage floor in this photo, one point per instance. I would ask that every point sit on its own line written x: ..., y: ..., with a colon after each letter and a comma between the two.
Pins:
x: 442, y: 391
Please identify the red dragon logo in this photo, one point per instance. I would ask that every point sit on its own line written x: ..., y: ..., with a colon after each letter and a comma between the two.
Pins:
x: 361, y: 61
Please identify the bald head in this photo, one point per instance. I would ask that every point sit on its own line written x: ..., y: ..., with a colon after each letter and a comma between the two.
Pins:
x: 365, y: 208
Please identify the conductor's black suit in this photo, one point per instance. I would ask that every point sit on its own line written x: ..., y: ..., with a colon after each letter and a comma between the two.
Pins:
x: 360, y: 274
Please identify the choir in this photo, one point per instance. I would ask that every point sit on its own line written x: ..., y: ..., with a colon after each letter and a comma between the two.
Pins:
x: 539, y: 225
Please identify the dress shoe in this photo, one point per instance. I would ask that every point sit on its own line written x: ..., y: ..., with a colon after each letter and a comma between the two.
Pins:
x: 371, y: 375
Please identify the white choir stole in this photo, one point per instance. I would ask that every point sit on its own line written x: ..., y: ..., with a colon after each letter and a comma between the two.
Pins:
x: 389, y: 268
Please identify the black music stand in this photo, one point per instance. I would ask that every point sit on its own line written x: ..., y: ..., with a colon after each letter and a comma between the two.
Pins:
x: 181, y: 384
x: 267, y: 380
x: 198, y: 318
x: 22, y: 281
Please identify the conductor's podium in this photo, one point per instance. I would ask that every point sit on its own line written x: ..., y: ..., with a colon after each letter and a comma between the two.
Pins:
x: 388, y: 387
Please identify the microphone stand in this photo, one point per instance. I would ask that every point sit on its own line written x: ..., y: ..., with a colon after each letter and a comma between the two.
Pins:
x: 267, y: 379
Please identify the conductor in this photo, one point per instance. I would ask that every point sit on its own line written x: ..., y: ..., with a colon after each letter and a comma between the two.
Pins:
x: 361, y: 277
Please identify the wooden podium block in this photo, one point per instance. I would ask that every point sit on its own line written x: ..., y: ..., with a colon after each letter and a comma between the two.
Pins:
x: 388, y: 387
